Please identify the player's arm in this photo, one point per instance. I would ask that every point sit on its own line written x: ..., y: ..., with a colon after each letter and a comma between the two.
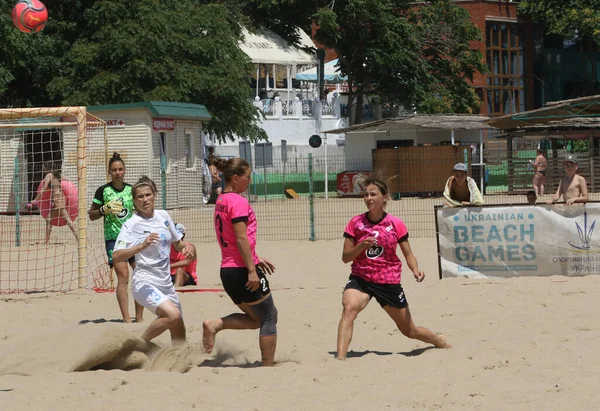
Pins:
x: 215, y: 174
x: 352, y: 250
x: 187, y: 249
x: 97, y: 202
x: 556, y: 195
x: 411, y: 260
x: 47, y: 180
x: 126, y: 253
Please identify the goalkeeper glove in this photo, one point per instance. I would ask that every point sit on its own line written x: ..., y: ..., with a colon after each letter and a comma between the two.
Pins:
x: 112, y: 207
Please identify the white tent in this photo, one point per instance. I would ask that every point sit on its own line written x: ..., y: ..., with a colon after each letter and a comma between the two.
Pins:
x: 266, y: 47
x: 332, y: 74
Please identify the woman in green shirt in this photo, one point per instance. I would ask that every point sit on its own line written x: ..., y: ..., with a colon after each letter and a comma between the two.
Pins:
x: 114, y: 202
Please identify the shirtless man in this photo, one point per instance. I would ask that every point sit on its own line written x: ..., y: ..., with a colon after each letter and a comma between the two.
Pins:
x: 539, y: 176
x: 572, y: 187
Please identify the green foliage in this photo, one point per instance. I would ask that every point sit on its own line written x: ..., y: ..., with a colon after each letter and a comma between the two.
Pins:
x: 116, y: 51
x: 418, y: 58
x: 566, y: 17
x: 24, y: 63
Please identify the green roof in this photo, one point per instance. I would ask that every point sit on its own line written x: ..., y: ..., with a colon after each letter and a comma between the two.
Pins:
x: 161, y: 109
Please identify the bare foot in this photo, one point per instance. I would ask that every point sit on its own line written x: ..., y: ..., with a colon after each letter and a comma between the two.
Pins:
x: 209, y: 331
x: 127, y: 320
x: 442, y: 342
x: 139, y: 320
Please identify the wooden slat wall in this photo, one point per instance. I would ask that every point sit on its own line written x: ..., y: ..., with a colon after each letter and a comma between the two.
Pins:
x: 418, y: 169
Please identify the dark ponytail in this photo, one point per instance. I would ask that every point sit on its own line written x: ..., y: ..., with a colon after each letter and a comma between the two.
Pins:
x: 115, y: 157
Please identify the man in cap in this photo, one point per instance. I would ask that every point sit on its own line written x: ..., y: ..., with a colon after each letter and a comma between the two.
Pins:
x: 461, y: 190
x: 573, y: 187
x: 183, y: 270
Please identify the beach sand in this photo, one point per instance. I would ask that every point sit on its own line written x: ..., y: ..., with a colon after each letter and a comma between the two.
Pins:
x: 520, y: 344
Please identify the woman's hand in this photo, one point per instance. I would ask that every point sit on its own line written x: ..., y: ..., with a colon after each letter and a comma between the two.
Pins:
x: 368, y: 242
x: 419, y: 275
x: 266, y: 266
x: 253, y: 280
x: 189, y: 251
x: 151, y: 239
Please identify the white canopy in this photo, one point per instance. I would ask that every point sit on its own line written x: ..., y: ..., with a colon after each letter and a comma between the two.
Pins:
x: 266, y: 47
x: 332, y: 74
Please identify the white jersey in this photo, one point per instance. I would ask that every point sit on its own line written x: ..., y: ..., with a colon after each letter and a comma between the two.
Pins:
x: 152, y: 265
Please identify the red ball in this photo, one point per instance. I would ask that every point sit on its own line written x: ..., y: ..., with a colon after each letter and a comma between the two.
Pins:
x: 29, y: 15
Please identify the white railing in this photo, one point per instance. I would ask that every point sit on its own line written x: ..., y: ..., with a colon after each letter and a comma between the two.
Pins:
x: 277, y: 108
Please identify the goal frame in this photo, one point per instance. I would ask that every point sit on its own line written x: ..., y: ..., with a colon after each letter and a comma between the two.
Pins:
x: 78, y: 117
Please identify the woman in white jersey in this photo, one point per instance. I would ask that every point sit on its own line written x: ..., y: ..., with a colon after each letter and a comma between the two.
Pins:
x: 148, y: 236
x: 370, y: 243
x: 242, y: 271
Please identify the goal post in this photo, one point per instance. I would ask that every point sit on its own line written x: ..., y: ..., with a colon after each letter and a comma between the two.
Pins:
x: 58, y: 142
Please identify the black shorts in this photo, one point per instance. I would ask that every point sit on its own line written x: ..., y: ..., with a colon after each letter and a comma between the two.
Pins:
x: 385, y: 294
x: 190, y: 280
x: 234, y: 281
x: 110, y: 245
x: 542, y: 172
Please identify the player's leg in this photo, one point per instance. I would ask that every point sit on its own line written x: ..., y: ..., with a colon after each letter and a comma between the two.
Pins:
x: 354, y: 300
x: 403, y: 320
x: 535, y: 183
x: 166, y: 305
x: 53, y: 214
x: 266, y: 313
x: 122, y: 271
x: 65, y: 216
x: 169, y: 318
x: 181, y: 277
x: 235, y: 321
x: 139, y: 308
x: 542, y: 183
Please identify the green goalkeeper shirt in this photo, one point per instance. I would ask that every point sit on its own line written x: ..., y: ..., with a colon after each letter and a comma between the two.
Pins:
x: 113, y: 223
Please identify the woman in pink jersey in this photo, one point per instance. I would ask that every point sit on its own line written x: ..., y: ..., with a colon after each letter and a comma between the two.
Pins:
x: 370, y: 243
x: 242, y: 271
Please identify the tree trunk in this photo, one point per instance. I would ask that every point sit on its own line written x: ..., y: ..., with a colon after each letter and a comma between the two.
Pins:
x: 358, y: 117
x: 350, y: 102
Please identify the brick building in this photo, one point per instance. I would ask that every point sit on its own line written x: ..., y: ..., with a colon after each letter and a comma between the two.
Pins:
x: 526, y: 67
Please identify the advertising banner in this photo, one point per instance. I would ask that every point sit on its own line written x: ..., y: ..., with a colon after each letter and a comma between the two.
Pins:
x: 348, y: 182
x: 518, y: 240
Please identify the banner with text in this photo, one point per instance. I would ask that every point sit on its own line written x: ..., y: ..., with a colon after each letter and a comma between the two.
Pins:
x: 523, y: 240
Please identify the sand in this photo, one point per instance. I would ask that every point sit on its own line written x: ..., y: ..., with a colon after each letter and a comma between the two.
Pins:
x: 520, y: 344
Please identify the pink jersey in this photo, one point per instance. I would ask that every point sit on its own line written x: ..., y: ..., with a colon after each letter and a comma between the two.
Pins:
x: 232, y: 208
x: 380, y: 263
x: 176, y: 256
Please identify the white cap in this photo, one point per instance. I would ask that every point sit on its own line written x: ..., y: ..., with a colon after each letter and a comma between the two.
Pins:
x: 179, y: 227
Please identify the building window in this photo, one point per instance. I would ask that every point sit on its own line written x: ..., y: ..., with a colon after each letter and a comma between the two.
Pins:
x: 190, y: 158
x: 164, y: 152
x: 505, y: 87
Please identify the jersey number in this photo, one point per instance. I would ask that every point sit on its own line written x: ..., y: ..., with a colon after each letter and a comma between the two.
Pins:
x: 219, y: 221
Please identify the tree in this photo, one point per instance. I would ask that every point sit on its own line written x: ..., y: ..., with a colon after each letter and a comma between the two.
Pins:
x: 103, y: 52
x: 25, y: 64
x: 569, y: 18
x: 420, y: 59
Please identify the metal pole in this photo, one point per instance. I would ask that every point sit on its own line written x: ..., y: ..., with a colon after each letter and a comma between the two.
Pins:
x: 311, y: 197
x: 264, y: 150
x: 326, y: 169
x: 17, y: 204
x: 481, y: 166
x: 82, y: 188
x: 163, y: 180
x: 257, y: 79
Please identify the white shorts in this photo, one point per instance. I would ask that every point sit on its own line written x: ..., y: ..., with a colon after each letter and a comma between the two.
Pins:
x: 152, y: 297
